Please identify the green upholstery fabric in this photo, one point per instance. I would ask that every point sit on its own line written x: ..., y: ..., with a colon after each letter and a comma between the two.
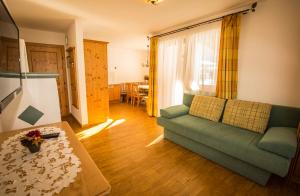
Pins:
x: 174, y: 111
x: 233, y: 141
x: 256, y: 174
x: 237, y: 148
x: 187, y: 99
x: 282, y: 116
x: 280, y: 140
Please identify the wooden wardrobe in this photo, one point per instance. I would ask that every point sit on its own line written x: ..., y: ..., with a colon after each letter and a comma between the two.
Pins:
x: 95, y: 57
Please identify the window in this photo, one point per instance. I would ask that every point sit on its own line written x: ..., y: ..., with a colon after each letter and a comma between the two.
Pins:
x: 188, y: 62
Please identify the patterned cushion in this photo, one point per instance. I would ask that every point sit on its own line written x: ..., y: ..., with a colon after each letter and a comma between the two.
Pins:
x: 248, y: 115
x: 210, y: 108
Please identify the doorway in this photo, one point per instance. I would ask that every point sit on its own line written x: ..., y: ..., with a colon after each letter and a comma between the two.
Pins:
x: 48, y: 58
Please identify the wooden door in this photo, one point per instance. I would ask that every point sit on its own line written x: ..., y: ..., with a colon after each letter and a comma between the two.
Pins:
x: 45, y: 58
x: 95, y: 57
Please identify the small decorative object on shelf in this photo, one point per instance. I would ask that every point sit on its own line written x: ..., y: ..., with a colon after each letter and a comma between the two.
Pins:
x: 294, y: 173
x: 32, y: 141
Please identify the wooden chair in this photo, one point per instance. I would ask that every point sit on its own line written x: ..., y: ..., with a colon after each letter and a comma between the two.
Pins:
x: 142, y: 83
x: 137, y: 96
x: 128, y: 92
x: 123, y: 91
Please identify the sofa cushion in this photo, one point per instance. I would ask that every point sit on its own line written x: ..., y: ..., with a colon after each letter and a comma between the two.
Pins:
x: 280, y: 140
x: 187, y: 99
x: 233, y: 141
x: 174, y: 111
x: 283, y: 116
x: 249, y: 115
x: 210, y: 108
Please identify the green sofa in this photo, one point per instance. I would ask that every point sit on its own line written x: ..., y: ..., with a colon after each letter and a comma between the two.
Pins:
x: 253, y: 155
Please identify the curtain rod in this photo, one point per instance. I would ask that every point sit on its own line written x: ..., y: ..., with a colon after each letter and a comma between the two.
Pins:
x: 246, y: 11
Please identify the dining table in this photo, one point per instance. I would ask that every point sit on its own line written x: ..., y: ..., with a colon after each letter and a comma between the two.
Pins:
x: 143, y: 86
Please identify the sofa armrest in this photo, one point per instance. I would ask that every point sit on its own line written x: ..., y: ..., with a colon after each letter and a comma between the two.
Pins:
x: 280, y: 140
x: 174, y: 111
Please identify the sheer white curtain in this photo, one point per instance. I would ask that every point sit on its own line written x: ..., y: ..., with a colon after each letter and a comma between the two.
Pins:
x: 169, y: 70
x: 202, y: 61
x: 188, y: 62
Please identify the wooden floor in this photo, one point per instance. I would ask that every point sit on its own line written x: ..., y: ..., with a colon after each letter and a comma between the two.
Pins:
x: 135, y: 165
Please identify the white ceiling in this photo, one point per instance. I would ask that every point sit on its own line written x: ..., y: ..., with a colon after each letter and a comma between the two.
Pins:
x: 114, y: 17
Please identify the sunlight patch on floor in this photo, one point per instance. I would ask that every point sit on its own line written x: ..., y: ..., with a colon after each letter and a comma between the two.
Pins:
x: 116, y: 122
x: 93, y: 130
x: 156, y: 140
x: 98, y: 128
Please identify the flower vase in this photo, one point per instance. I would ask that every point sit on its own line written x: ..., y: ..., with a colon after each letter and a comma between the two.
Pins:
x: 33, y: 148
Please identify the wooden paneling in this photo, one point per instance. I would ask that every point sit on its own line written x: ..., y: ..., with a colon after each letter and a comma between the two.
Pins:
x: 48, y: 58
x: 95, y: 57
x: 117, y: 91
x: 73, y: 75
x: 114, y: 92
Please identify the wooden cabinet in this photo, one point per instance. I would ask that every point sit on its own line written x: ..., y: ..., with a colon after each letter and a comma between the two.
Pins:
x: 294, y: 173
x: 114, y: 92
x: 73, y: 75
x: 95, y: 57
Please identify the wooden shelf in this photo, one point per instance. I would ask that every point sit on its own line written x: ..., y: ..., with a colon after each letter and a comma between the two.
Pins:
x: 73, y: 75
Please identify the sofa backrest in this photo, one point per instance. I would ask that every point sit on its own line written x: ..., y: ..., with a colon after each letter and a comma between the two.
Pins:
x: 187, y: 99
x: 281, y: 116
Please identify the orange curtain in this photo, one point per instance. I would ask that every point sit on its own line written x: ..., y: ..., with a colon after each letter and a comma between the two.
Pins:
x: 152, y: 94
x: 228, y: 58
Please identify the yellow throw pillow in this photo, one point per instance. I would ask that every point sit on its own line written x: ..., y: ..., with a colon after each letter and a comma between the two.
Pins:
x: 248, y: 115
x: 210, y: 108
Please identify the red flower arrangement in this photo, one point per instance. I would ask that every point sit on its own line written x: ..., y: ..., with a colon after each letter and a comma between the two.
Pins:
x: 32, y: 140
x: 35, y: 133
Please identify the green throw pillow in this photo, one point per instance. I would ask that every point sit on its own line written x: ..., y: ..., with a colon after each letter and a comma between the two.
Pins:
x: 174, y: 111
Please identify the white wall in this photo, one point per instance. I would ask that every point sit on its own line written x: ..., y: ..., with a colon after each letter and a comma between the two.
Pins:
x: 45, y: 37
x: 124, y: 60
x: 8, y: 85
x: 39, y: 36
x: 269, y: 53
x: 75, y: 39
x: 39, y: 93
x: 126, y: 65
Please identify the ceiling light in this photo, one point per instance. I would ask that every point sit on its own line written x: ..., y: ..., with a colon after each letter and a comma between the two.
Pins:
x: 154, y: 2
